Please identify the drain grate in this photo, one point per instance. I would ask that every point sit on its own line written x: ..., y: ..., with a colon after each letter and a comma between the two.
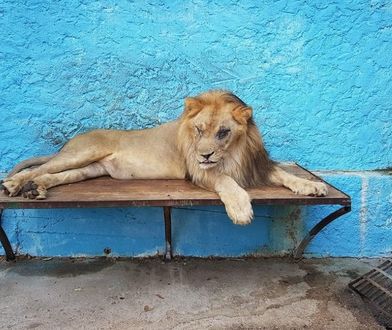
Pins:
x: 376, y: 287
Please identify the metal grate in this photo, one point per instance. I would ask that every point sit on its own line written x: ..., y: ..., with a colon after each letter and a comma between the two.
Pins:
x: 376, y: 287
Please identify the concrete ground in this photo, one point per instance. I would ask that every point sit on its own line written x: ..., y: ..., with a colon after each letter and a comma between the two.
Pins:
x: 184, y: 294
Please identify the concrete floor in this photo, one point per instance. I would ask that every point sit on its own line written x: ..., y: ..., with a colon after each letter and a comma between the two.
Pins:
x: 184, y: 294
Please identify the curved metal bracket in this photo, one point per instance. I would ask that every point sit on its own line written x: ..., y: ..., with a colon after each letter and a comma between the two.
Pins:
x: 298, y: 253
x: 9, y: 254
x: 168, y: 237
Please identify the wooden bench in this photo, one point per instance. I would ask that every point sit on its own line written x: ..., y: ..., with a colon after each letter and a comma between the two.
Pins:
x: 107, y: 192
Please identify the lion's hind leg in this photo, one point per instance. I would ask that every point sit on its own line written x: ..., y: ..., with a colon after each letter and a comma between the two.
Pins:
x: 280, y: 177
x: 28, y: 163
x: 37, y: 188
x: 67, y: 159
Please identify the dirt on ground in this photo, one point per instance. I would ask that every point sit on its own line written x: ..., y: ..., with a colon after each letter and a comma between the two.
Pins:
x: 254, y: 293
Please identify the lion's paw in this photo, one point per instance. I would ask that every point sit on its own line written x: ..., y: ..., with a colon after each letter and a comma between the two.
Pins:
x: 11, y: 187
x: 239, y: 209
x: 32, y: 190
x: 310, y: 188
x: 243, y: 216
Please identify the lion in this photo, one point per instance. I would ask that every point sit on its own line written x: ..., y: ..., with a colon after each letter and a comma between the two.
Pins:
x: 214, y: 143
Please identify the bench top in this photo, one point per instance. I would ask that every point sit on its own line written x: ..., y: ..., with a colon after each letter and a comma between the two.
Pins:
x: 108, y: 192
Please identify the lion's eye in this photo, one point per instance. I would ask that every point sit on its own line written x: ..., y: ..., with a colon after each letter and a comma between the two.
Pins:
x: 222, y: 133
x: 199, y: 130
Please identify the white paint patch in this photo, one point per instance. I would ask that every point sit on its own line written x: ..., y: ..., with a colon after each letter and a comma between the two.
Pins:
x: 360, y: 174
x: 389, y: 220
x: 149, y: 253
x: 363, y: 213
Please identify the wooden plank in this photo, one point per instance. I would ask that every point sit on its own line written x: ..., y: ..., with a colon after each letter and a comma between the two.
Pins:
x: 107, y: 192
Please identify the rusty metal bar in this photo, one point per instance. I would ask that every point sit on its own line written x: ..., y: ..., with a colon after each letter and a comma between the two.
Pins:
x: 298, y: 253
x: 168, y: 237
x: 9, y: 254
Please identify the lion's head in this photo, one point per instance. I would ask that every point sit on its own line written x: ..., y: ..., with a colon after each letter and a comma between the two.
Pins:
x: 217, y: 135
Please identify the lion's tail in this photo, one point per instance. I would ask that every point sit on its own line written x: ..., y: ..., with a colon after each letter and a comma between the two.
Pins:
x: 35, y: 161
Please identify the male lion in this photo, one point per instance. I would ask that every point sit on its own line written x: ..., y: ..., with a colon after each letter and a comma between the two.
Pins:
x: 215, y: 143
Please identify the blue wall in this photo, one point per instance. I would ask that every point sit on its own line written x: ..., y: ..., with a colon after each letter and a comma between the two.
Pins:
x: 318, y: 75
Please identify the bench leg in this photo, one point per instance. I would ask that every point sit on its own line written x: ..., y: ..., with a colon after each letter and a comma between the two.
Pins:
x: 168, y: 238
x: 9, y: 254
x: 298, y: 253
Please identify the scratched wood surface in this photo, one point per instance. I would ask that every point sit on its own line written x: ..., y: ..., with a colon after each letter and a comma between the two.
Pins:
x: 107, y: 192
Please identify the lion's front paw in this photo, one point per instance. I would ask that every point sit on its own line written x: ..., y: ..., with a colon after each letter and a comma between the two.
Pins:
x: 241, y: 215
x: 239, y: 209
x: 310, y: 188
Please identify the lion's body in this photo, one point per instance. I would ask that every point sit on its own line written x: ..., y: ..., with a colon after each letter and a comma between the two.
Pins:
x: 134, y: 154
x: 215, y: 143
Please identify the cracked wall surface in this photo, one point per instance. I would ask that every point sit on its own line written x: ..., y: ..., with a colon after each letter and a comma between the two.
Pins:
x: 316, y: 74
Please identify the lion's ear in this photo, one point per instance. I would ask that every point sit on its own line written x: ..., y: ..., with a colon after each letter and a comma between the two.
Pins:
x: 242, y: 114
x: 192, y: 106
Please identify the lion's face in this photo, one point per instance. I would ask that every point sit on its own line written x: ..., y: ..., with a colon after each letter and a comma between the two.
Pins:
x: 215, y: 123
x: 213, y: 135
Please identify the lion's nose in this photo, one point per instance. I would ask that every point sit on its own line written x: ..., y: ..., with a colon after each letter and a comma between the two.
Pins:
x: 207, y: 156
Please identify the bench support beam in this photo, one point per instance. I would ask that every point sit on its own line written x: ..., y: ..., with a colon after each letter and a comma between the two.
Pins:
x: 168, y: 236
x: 298, y: 253
x: 9, y: 254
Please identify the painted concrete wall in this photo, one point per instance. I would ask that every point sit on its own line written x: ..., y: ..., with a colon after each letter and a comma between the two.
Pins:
x: 318, y: 75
